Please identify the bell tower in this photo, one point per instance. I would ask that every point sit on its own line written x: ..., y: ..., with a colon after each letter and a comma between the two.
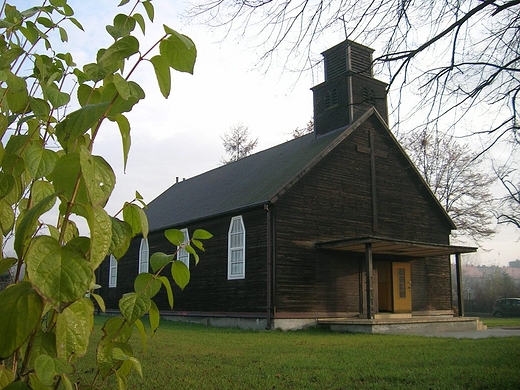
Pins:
x: 349, y: 89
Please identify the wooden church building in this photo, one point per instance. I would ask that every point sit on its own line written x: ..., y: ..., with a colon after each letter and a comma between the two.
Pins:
x: 337, y: 226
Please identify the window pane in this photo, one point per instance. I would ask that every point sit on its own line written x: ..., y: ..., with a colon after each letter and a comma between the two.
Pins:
x: 236, y: 249
x: 144, y: 256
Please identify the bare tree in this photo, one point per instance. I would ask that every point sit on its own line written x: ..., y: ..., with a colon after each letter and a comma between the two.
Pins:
x: 457, y: 179
x: 461, y: 57
x: 509, y: 211
x: 237, y: 143
x: 300, y: 132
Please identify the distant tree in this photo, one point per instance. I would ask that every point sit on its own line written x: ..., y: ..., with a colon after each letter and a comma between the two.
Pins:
x: 297, y: 133
x: 457, y: 179
x: 237, y: 143
x: 509, y: 210
x: 496, y: 284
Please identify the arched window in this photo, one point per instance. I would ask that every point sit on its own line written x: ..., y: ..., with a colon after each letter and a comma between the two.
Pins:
x: 112, y: 272
x: 182, y: 254
x: 236, y: 249
x: 144, y: 256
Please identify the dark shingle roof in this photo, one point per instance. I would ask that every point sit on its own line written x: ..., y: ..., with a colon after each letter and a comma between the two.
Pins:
x: 253, y: 180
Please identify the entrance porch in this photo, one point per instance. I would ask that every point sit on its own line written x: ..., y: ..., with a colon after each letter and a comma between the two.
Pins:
x: 385, y: 294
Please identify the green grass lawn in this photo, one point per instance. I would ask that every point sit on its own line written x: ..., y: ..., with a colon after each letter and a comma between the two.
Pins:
x: 493, y: 322
x: 184, y: 356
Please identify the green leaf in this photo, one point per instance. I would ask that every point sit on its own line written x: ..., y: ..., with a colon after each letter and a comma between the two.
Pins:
x: 45, y: 22
x: 159, y: 259
x: 154, y: 317
x: 6, y: 217
x: 166, y: 283
x: 17, y: 95
x: 6, y: 376
x: 121, y: 105
x: 148, y: 6
x: 147, y: 285
x: 61, y: 274
x: 88, y: 95
x: 162, y: 73
x: 192, y: 251
x: 39, y: 106
x: 30, y: 31
x: 198, y: 244
x: 118, y: 51
x: 100, y: 226
x: 140, y: 21
x: 175, y: 236
x: 39, y: 160
x: 99, y: 301
x: 121, y: 237
x: 43, y: 343
x: 180, y: 274
x: 9, y: 56
x: 7, y: 263
x: 118, y: 354
x: 40, y: 190
x: 18, y: 385
x: 98, y: 176
x: 21, y: 308
x: 44, y: 367
x: 73, y: 329
x: 76, y: 23
x: 105, y: 359
x: 122, y: 86
x: 124, y: 129
x: 116, y: 329
x: 63, y: 34
x: 179, y: 51
x: 27, y: 226
x: 201, y: 234
x: 136, y: 218
x: 139, y: 325
x: 67, y: 171
x: 78, y: 122
x: 123, y: 26
x: 6, y: 184
x: 55, y: 96
x: 133, y: 306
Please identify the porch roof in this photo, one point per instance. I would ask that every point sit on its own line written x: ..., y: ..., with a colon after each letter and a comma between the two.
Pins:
x: 394, y: 247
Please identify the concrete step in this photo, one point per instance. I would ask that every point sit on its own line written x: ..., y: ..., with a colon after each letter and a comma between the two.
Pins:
x: 481, y: 326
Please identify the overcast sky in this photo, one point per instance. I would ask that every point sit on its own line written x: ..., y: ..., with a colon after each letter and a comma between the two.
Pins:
x: 180, y: 137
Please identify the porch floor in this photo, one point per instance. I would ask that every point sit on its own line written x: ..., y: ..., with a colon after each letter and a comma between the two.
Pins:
x: 410, y: 325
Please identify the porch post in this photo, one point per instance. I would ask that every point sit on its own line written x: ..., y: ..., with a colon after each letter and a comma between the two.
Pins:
x: 368, y: 281
x: 458, y: 270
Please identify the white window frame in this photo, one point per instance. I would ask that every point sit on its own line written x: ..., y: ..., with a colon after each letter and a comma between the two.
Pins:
x: 112, y: 272
x: 236, y: 249
x: 182, y: 253
x: 144, y: 256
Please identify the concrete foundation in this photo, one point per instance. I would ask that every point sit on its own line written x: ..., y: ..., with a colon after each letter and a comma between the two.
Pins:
x: 404, y: 326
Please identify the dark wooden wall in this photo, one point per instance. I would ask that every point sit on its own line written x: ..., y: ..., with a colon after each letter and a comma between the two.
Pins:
x: 332, y: 202
x: 209, y: 289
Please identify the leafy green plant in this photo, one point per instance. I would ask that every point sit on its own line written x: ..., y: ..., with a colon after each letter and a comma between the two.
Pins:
x: 49, y: 173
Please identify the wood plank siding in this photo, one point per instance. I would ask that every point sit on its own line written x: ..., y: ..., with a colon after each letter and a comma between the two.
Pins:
x: 333, y: 202
x: 209, y: 289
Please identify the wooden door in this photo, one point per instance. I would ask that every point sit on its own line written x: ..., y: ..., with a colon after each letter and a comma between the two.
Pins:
x: 401, y: 288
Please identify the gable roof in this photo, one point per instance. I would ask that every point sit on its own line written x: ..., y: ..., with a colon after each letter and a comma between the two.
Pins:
x: 251, y: 181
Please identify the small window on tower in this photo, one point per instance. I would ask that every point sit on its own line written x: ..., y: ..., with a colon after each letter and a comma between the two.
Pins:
x: 369, y: 96
x: 331, y: 98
